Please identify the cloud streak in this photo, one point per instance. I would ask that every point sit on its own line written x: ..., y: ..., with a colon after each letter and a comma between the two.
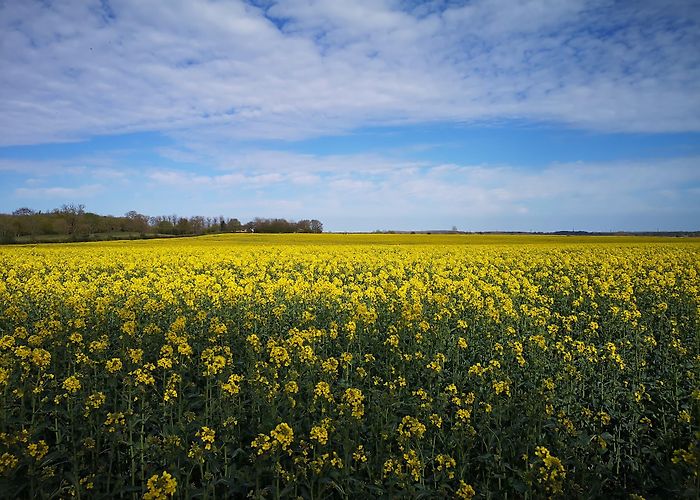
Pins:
x: 305, y: 68
x: 588, y: 195
x: 59, y: 193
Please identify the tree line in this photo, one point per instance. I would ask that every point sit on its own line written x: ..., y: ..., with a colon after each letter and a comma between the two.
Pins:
x: 74, y: 223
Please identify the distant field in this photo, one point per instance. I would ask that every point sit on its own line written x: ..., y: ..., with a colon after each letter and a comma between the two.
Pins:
x: 225, y: 239
x: 335, y: 365
x: 62, y: 238
x: 430, y: 239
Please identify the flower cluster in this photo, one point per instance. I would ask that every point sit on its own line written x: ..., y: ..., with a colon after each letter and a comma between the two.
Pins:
x: 356, y: 365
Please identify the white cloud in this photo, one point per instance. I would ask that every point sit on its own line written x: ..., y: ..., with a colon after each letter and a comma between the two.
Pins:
x: 188, y: 180
x: 59, y: 193
x: 391, y: 193
x: 101, y: 168
x: 72, y: 69
x: 490, y: 196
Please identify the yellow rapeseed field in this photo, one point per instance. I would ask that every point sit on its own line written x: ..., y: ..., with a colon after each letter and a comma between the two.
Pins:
x: 321, y: 366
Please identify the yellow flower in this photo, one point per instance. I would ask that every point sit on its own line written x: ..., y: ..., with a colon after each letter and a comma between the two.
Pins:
x: 135, y: 355
x: 207, y: 435
x: 465, y: 491
x: 359, y: 454
x: 88, y: 482
x: 262, y: 443
x: 160, y: 487
x: 447, y: 464
x: 463, y: 415
x: 279, y: 356
x: 330, y: 365
x: 602, y: 442
x: 100, y: 345
x: 94, y: 401
x: 392, y: 340
x: 129, y: 328
x: 323, y: 390
x: 38, y: 450
x: 392, y: 466
x: 283, y: 435
x: 113, y: 365
x: 476, y: 370
x: 184, y: 348
x: 501, y: 387
x: 165, y: 363
x: 169, y: 394
x: 253, y: 341
x: 354, y: 398
x: 551, y: 473
x: 214, y: 362
x: 114, y: 420
x: 8, y: 462
x: 72, y: 384
x: 411, y: 427
x: 548, y: 384
x: 7, y: 342
x: 688, y: 456
x: 41, y: 358
x: 319, y: 434
x: 281, y: 438
x: 437, y: 363
x: 141, y: 376
x: 232, y: 385
x: 413, y: 465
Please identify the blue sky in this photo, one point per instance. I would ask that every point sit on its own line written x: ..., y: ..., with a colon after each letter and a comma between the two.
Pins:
x: 373, y: 114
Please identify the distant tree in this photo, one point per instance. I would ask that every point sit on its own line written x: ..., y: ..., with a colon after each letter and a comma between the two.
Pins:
x: 273, y: 226
x: 7, y: 232
x: 316, y: 226
x: 93, y: 223
x: 183, y: 226
x: 198, y: 224
x: 233, y: 225
x: 23, y: 222
x: 72, y: 209
x: 260, y: 225
x: 161, y: 224
x: 23, y: 211
x: 73, y: 215
x: 136, y: 222
x: 304, y: 226
x: 47, y: 224
x: 73, y: 221
x: 60, y: 226
x: 164, y: 226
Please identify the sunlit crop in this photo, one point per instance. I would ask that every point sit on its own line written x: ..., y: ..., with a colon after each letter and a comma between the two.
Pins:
x: 331, y: 366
